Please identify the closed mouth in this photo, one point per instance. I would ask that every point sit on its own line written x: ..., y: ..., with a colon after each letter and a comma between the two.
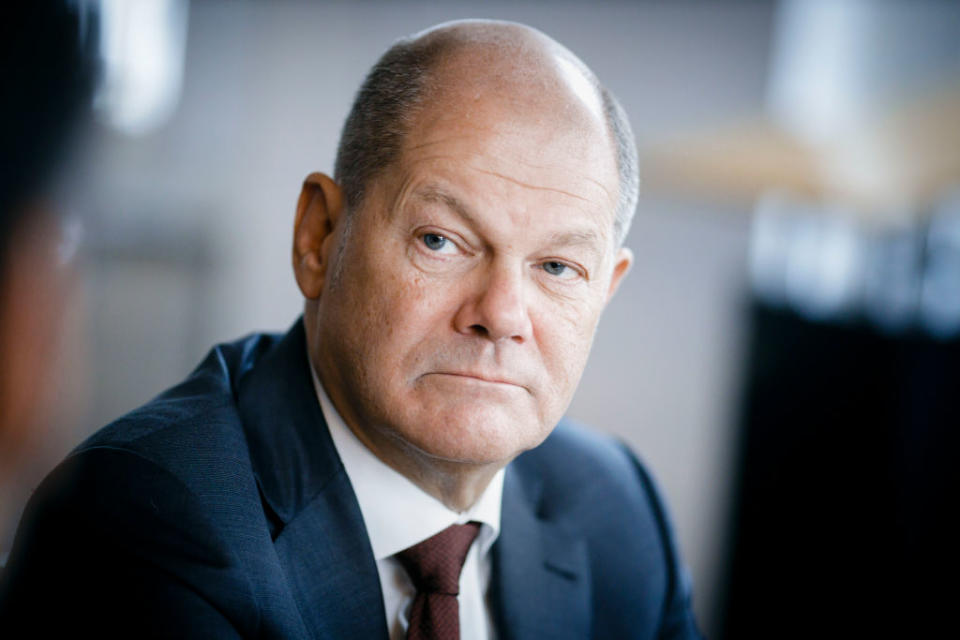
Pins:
x: 478, y: 377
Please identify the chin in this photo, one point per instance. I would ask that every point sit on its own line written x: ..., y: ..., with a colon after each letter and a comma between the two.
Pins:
x: 487, y: 436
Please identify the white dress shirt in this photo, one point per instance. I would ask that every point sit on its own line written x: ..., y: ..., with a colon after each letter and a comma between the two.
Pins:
x: 398, y: 514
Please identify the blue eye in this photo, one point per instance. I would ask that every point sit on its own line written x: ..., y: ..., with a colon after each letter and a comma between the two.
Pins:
x: 555, y: 268
x: 434, y: 241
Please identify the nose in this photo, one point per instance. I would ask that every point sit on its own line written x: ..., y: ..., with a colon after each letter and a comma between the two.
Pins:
x: 495, y: 307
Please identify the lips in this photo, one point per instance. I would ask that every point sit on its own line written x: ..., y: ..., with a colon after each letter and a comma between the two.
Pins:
x: 480, y: 377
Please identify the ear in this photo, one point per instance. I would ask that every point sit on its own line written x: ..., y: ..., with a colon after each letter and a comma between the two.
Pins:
x: 620, y: 268
x: 318, y: 210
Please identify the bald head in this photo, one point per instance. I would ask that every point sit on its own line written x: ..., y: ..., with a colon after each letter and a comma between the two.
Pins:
x: 473, y: 64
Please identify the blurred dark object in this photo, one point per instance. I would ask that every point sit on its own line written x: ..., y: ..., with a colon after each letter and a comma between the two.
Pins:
x: 849, y: 443
x: 848, y: 481
x: 47, y: 74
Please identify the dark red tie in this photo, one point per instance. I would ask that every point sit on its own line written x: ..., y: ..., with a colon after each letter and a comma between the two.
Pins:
x: 434, y: 566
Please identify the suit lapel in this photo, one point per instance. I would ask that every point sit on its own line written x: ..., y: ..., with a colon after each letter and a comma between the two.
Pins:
x: 320, y: 539
x: 331, y: 569
x: 541, y: 576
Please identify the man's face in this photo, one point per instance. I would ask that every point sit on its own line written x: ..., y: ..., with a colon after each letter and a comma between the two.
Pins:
x: 460, y: 312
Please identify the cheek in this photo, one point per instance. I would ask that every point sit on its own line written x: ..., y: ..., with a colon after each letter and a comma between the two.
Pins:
x: 564, y: 335
x: 405, y: 312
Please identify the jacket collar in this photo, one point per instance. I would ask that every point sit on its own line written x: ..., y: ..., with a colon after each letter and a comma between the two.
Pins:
x: 541, y: 575
x: 320, y: 537
x: 293, y: 456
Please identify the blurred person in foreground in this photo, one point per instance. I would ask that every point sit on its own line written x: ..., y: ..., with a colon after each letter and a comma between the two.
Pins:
x: 46, y: 75
x: 393, y: 466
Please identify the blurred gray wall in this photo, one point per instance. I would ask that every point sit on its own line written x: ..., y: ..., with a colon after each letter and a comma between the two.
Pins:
x: 188, y: 228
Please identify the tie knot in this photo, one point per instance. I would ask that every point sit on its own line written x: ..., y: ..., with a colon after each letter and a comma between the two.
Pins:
x: 434, y: 565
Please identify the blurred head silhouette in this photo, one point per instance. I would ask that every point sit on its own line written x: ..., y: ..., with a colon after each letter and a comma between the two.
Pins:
x: 46, y: 74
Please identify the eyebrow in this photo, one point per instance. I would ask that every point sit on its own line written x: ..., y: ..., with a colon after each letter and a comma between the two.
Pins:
x: 580, y: 237
x: 432, y: 193
x: 575, y: 238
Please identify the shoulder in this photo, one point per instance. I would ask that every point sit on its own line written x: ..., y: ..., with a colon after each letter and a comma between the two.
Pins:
x: 190, y: 434
x: 575, y: 463
x: 176, y: 469
x: 154, y: 504
x: 193, y: 431
x: 594, y: 487
x: 110, y: 525
x: 192, y: 411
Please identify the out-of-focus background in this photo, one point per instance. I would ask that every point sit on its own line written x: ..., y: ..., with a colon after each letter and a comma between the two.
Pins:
x: 784, y: 354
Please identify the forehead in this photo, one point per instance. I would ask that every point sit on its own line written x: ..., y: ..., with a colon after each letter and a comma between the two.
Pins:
x: 535, y: 141
x: 507, y: 171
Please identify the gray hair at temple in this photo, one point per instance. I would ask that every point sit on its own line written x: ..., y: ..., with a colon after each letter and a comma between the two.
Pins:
x: 390, y: 97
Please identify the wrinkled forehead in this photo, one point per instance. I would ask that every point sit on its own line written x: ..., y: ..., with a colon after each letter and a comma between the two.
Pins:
x: 531, y: 102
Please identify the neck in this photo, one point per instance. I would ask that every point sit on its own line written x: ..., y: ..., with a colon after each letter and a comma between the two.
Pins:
x: 456, y: 484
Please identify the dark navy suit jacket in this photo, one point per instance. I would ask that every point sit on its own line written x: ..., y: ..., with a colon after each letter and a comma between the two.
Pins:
x: 221, y: 509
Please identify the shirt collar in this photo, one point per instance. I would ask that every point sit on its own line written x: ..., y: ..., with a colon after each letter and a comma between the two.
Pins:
x: 397, y: 513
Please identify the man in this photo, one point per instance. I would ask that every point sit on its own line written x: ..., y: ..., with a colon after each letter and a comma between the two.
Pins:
x: 364, y: 476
